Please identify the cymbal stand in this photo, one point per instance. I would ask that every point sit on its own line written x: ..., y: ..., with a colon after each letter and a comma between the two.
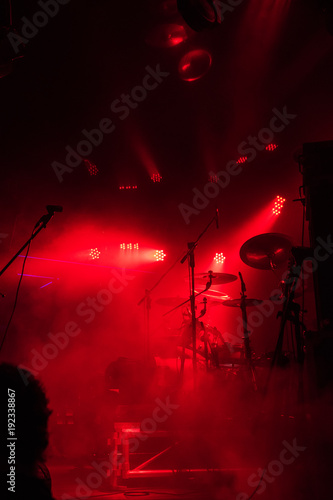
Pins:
x: 290, y: 312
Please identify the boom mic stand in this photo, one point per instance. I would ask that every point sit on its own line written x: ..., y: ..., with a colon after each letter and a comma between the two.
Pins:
x: 42, y: 223
x: 189, y: 256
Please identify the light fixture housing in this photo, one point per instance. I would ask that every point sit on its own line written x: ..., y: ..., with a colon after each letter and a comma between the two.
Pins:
x: 199, y: 14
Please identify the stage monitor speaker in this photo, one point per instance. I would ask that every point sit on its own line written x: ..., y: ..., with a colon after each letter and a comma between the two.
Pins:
x: 317, y: 162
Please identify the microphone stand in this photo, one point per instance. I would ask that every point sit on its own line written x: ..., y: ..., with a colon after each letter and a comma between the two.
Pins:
x: 189, y: 256
x: 146, y: 299
x: 44, y: 220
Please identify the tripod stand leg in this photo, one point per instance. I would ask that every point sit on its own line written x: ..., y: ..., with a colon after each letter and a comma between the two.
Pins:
x: 298, y: 334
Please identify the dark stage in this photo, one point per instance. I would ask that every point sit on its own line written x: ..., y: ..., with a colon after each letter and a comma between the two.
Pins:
x: 166, y: 249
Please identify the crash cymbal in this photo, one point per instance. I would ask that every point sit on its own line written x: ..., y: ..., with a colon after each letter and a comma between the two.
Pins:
x: 238, y: 302
x: 217, y: 278
x: 266, y: 251
x: 170, y: 301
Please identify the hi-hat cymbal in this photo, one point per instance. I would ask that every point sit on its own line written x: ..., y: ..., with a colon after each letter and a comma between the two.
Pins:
x: 217, y: 278
x: 238, y: 302
x: 266, y: 251
x: 211, y: 294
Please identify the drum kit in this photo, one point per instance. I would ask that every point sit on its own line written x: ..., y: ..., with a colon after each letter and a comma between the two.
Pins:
x: 269, y: 251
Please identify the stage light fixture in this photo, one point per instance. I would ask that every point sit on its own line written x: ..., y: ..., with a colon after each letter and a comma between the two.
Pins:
x: 213, y: 178
x: 278, y: 205
x: 129, y: 187
x: 156, y: 178
x: 271, y: 147
x: 91, y: 167
x: 219, y: 258
x: 199, y: 14
x: 159, y: 255
x: 94, y: 253
x: 166, y: 35
x: 242, y: 159
x: 129, y: 246
x: 194, y: 65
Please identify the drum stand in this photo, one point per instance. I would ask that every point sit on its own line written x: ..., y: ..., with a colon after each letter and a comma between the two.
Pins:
x: 290, y: 312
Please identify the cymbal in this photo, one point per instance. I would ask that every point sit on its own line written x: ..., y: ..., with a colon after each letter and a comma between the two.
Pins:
x: 238, y: 302
x: 170, y: 301
x: 175, y: 301
x: 218, y: 295
x: 266, y: 251
x: 217, y: 278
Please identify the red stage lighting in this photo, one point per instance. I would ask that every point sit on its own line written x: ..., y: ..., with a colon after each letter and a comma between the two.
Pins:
x: 91, y: 167
x: 128, y: 187
x: 129, y: 246
x: 271, y: 147
x: 242, y: 159
x: 94, y: 253
x: 159, y: 255
x: 213, y: 178
x: 219, y: 258
x: 194, y: 65
x: 166, y: 35
x: 156, y: 178
x: 278, y: 205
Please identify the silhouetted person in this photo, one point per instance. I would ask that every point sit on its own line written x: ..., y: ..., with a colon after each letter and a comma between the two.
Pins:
x: 24, y: 474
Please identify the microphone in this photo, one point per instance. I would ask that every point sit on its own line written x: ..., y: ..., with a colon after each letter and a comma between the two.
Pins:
x: 217, y: 219
x: 53, y: 208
